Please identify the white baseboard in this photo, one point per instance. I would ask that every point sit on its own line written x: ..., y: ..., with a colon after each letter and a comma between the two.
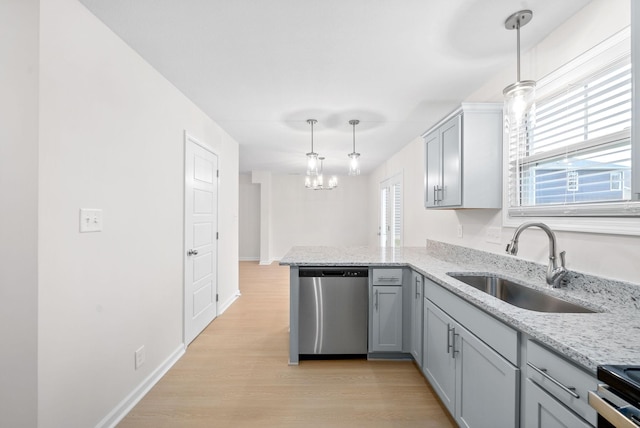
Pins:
x: 223, y: 307
x: 125, y: 406
x: 248, y: 259
x: 266, y: 262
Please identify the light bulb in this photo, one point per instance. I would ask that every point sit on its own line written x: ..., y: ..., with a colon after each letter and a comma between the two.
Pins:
x: 354, y: 168
x: 312, y: 163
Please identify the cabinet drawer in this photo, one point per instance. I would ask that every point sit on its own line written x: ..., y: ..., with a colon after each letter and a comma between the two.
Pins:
x: 499, y: 336
x: 566, y: 374
x: 387, y: 276
x: 542, y: 410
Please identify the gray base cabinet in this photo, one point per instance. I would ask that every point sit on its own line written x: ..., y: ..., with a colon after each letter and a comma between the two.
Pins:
x: 439, y: 366
x: 386, y: 331
x: 552, y: 383
x: 486, y: 384
x: 477, y: 385
x: 544, y: 411
x: 416, y: 317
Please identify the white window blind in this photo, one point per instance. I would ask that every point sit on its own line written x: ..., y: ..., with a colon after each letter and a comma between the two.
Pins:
x: 391, y: 211
x: 397, y: 214
x: 573, y: 155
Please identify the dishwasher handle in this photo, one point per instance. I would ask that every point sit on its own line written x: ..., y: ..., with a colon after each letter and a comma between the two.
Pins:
x: 334, y: 273
x: 338, y: 272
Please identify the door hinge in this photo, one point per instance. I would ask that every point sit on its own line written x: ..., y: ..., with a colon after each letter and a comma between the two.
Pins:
x: 218, y: 173
x: 217, y: 235
x: 216, y: 297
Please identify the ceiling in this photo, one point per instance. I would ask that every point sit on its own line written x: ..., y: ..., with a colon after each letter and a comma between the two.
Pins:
x: 260, y: 68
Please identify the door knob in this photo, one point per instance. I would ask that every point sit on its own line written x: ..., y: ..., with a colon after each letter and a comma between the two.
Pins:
x: 192, y: 253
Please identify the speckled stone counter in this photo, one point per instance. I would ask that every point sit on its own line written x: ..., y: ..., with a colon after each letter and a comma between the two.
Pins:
x: 610, y: 336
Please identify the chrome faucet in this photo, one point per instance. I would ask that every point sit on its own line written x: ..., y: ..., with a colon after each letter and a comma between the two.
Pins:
x: 555, y: 274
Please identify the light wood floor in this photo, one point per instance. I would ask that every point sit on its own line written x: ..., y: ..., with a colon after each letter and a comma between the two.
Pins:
x: 235, y: 374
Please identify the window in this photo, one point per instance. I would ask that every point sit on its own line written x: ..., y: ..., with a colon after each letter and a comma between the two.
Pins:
x: 574, y: 157
x: 615, y: 181
x: 391, y: 212
x: 572, y: 181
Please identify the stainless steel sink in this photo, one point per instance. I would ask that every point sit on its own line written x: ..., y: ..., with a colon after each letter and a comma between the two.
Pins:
x: 519, y: 295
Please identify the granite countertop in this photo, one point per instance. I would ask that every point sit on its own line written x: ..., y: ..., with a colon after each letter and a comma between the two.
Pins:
x: 610, y: 336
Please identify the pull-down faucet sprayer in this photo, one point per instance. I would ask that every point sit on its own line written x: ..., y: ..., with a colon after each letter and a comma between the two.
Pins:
x: 555, y: 274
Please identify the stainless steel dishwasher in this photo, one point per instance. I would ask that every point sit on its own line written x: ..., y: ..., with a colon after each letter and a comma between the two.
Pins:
x: 333, y: 310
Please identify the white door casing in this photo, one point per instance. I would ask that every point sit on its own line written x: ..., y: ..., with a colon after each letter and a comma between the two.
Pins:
x: 200, y: 238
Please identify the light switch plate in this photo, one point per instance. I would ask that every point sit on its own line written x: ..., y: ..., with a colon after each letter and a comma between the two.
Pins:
x: 90, y: 220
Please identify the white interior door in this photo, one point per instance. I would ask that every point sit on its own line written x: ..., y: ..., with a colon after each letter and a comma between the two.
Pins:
x: 391, y: 212
x: 200, y: 238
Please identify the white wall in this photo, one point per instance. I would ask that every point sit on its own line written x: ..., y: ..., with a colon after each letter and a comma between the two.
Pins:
x: 249, y: 220
x: 610, y: 256
x: 18, y: 212
x: 300, y: 216
x: 111, y: 137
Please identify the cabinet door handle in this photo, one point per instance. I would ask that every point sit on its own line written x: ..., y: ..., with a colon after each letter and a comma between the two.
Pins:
x: 568, y: 389
x: 376, y: 300
x: 449, y: 330
x: 453, y: 343
x: 417, y: 287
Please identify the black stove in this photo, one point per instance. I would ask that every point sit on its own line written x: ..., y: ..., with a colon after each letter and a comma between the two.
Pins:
x: 618, y: 397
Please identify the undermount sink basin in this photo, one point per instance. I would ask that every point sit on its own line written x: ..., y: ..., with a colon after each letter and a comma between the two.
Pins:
x: 519, y: 295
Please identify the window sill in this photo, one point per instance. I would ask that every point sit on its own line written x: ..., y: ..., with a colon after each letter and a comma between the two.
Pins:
x: 603, y: 225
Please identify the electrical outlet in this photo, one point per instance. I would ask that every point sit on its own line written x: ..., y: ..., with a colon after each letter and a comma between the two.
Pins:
x: 459, y: 231
x: 140, y: 356
x: 494, y: 235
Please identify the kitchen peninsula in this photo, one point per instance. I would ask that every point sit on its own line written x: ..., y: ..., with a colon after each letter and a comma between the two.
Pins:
x: 586, y: 339
x: 582, y: 341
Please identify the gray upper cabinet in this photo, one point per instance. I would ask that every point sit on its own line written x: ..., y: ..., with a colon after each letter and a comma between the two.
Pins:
x: 463, y: 153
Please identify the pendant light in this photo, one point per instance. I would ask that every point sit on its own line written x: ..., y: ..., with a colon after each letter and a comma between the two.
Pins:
x: 354, y: 168
x: 519, y: 97
x: 312, y: 157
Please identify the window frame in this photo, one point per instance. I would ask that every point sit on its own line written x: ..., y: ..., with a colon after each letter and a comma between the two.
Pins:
x: 619, y: 218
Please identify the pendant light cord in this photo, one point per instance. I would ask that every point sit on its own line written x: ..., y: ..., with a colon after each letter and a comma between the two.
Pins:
x: 311, y: 122
x: 518, y: 48
x: 354, y: 137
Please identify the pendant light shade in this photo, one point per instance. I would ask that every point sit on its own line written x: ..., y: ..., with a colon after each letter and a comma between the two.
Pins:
x: 312, y: 157
x: 519, y: 97
x: 354, y: 167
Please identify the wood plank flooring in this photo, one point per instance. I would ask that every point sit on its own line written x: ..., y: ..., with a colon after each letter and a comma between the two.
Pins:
x: 235, y: 374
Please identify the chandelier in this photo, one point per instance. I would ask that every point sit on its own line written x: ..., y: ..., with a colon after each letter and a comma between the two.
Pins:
x: 317, y: 182
x: 315, y: 174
